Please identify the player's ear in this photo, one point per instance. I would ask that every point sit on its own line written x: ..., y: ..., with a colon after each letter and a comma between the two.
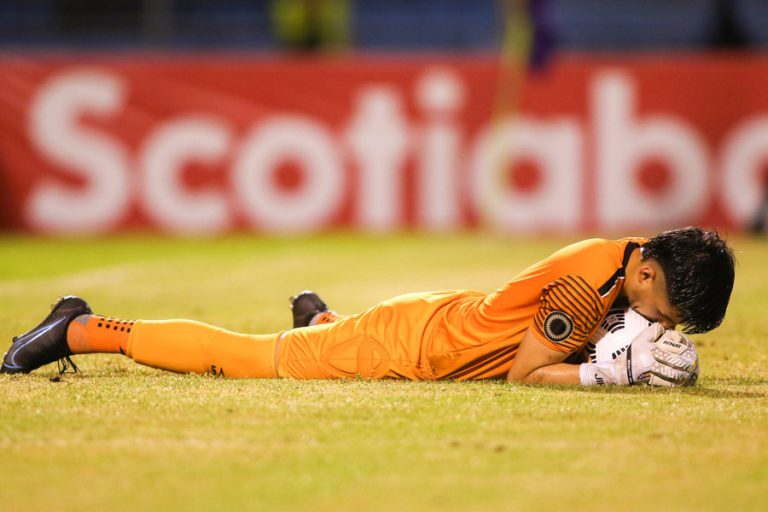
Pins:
x: 646, y: 274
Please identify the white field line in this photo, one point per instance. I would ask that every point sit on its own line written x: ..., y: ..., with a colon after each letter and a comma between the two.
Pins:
x: 107, y: 276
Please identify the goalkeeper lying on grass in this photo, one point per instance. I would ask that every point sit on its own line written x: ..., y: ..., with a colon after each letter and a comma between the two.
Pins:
x: 533, y: 329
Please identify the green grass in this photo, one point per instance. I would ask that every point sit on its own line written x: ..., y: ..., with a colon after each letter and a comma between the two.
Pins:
x: 119, y: 436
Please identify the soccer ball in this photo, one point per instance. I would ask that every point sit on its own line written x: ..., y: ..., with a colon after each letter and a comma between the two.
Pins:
x: 616, y: 332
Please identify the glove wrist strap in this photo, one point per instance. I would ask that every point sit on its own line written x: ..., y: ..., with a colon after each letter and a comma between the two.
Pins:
x: 597, y: 374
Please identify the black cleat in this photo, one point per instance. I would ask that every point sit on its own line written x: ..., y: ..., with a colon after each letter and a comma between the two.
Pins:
x: 48, y: 341
x: 305, y: 306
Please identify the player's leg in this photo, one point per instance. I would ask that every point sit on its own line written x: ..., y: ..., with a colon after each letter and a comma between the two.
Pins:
x: 340, y: 349
x: 183, y: 346
x: 176, y: 345
x: 324, y: 344
x: 386, y: 341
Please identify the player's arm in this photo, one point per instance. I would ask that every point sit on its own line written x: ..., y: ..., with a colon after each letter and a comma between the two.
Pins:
x: 535, y: 363
x: 570, y: 310
x: 655, y: 356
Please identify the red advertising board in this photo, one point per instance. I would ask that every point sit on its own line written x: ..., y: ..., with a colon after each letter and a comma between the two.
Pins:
x: 214, y: 143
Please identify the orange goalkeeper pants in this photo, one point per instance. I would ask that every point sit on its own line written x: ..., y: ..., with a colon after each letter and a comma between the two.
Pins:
x: 386, y: 341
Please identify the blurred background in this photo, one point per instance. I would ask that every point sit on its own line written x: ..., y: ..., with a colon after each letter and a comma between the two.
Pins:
x: 282, y: 116
x: 394, y: 25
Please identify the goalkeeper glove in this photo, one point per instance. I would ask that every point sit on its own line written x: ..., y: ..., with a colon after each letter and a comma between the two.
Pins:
x: 655, y: 356
x: 677, y: 363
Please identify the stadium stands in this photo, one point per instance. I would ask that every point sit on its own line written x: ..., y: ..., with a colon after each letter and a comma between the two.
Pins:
x: 379, y: 24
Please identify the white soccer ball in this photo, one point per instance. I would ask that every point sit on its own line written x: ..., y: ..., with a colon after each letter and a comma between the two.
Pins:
x: 616, y: 332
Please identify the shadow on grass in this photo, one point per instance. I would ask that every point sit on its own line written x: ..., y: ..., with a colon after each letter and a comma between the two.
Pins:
x: 727, y: 391
x: 729, y: 387
x: 724, y: 393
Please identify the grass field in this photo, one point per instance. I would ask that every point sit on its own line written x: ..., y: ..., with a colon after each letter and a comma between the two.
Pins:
x: 119, y: 436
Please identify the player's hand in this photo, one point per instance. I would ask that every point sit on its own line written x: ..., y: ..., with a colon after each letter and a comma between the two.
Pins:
x: 634, y: 365
x: 676, y: 361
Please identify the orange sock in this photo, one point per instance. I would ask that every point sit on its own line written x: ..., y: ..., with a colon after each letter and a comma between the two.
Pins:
x: 177, y: 345
x: 187, y: 346
x: 93, y: 333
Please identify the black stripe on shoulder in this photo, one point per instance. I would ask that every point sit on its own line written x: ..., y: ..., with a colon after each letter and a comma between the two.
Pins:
x: 631, y: 246
x: 611, y: 282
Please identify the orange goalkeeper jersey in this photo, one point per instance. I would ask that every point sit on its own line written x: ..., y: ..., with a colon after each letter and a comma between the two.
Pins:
x: 564, y: 298
x: 466, y: 334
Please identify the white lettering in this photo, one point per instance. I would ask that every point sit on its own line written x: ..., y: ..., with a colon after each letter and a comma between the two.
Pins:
x: 289, y: 139
x: 439, y: 93
x: 81, y: 152
x: 378, y: 138
x: 555, y: 148
x: 161, y: 161
x: 744, y: 150
x: 90, y: 188
x: 622, y: 143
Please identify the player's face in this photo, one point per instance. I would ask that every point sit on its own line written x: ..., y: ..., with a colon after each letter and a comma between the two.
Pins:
x: 649, y: 297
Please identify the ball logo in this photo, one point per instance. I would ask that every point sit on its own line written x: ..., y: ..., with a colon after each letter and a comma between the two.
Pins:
x: 672, y: 344
x: 557, y: 326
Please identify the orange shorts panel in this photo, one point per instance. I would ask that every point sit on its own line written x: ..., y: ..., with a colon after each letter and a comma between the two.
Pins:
x: 386, y: 341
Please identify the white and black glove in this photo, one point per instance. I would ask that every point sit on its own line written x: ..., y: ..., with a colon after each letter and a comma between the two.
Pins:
x: 656, y: 357
x: 677, y: 363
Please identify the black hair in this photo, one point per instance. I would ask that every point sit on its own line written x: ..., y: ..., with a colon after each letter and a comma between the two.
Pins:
x: 699, y: 269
